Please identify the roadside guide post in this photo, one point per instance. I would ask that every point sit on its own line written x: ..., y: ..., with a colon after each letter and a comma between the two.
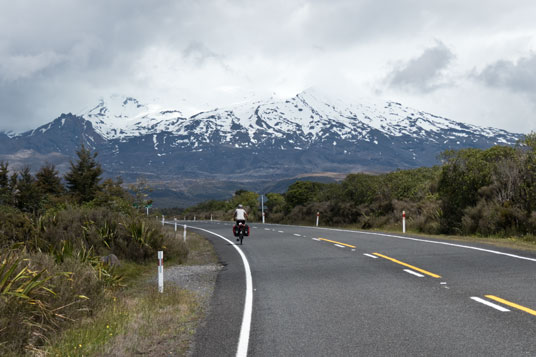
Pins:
x: 403, y: 221
x: 262, y: 208
x: 160, y: 271
x: 163, y: 222
x: 211, y: 218
x: 184, y: 234
x: 147, y: 208
x: 175, y: 220
x: 317, y: 218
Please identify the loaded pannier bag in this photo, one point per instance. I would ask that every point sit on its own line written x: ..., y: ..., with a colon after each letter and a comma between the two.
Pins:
x: 246, y: 231
x: 235, y: 230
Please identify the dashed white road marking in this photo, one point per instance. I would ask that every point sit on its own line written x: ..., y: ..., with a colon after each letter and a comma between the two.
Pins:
x: 338, y: 245
x: 280, y: 231
x: 266, y: 229
x: 414, y: 273
x: 370, y: 256
x: 318, y: 240
x: 490, y: 304
x: 297, y: 235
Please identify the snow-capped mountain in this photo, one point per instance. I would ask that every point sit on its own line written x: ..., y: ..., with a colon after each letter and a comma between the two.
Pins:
x: 305, y: 115
x: 273, y: 138
x: 123, y: 117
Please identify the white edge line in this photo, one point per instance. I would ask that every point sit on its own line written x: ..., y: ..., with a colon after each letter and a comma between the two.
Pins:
x: 370, y: 256
x: 340, y: 246
x: 490, y: 304
x: 435, y: 242
x: 243, y: 341
x: 413, y: 273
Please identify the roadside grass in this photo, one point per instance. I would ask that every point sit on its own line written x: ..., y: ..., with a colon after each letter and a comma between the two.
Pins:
x: 138, y: 319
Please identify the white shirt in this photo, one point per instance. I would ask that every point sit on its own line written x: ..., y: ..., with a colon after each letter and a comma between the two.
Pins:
x: 240, y: 214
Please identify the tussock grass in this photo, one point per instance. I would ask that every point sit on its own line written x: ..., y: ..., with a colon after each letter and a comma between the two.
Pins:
x: 138, y: 319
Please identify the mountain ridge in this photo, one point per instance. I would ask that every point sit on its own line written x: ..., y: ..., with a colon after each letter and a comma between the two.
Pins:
x: 259, y: 140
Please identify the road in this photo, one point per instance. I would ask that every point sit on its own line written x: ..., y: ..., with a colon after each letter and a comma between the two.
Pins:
x: 320, y: 292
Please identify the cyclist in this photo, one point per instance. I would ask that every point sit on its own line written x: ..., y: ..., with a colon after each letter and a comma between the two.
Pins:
x: 240, y: 216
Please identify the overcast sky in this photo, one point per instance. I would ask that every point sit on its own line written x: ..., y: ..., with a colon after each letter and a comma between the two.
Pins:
x: 469, y: 60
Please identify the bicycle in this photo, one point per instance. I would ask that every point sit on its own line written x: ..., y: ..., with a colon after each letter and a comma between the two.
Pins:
x: 240, y: 231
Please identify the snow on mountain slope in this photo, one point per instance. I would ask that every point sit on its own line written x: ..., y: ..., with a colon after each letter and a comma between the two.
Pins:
x: 311, y: 119
x: 295, y: 123
x: 123, y: 117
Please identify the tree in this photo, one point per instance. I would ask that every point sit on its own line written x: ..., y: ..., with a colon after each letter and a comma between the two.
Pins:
x: 275, y: 203
x: 28, y: 196
x: 360, y: 188
x: 6, y: 193
x: 462, y: 175
x: 84, y: 176
x: 141, y: 190
x: 48, y: 180
x: 300, y: 193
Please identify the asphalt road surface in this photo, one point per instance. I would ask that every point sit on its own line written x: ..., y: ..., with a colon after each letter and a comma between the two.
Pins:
x: 320, y: 292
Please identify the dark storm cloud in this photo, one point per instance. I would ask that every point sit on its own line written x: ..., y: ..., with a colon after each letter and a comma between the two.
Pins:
x: 517, y: 76
x: 422, y: 73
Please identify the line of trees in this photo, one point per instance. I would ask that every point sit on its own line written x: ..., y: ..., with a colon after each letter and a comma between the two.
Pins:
x: 488, y: 192
x: 32, y: 194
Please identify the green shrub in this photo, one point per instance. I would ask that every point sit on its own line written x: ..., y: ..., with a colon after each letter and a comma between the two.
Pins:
x: 15, y: 227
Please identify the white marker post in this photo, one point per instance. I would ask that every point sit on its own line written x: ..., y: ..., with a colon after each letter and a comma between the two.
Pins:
x: 195, y: 218
x: 262, y: 208
x: 160, y: 271
x: 211, y: 218
x: 317, y: 218
x: 184, y: 234
x: 147, y: 208
x: 163, y: 220
x: 175, y: 220
x: 403, y: 221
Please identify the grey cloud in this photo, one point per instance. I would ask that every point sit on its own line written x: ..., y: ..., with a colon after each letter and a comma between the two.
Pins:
x: 57, y: 56
x: 23, y: 66
x: 519, y: 76
x: 422, y: 73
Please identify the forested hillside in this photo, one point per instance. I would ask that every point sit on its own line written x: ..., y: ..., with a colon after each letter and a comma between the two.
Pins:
x: 488, y: 192
x: 61, y: 245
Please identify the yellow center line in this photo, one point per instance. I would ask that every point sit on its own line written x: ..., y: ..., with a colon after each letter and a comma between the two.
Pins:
x: 407, y: 265
x: 509, y: 303
x: 335, y: 242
